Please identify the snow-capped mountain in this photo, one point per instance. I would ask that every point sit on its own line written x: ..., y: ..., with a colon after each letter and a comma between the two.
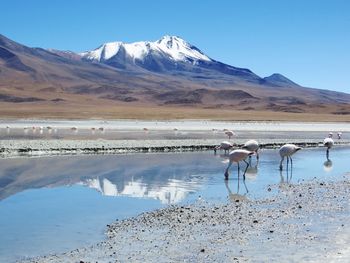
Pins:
x: 171, y: 47
x: 168, y: 55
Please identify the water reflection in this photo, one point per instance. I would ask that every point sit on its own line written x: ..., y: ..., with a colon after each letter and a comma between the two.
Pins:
x: 168, y: 178
x: 45, y: 197
x: 252, y: 170
x: 171, y: 192
x: 328, y: 165
x: 236, y: 196
x: 287, y: 178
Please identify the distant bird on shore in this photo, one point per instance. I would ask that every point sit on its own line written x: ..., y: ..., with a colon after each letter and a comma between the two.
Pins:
x: 237, y: 156
x: 288, y: 150
x: 339, y: 135
x: 230, y: 134
x: 225, y: 145
x: 330, y: 135
x: 328, y: 142
x: 252, y: 146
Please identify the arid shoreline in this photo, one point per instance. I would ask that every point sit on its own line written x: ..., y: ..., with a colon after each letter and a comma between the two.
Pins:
x: 151, y: 112
x: 304, y: 222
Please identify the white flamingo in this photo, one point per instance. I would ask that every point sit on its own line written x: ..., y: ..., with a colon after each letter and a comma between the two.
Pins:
x: 225, y: 145
x: 252, y: 146
x: 328, y: 142
x: 230, y: 134
x: 330, y: 135
x: 339, y: 135
x: 237, y: 156
x: 288, y: 150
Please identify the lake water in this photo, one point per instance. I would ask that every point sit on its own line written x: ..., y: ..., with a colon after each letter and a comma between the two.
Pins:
x: 54, y: 204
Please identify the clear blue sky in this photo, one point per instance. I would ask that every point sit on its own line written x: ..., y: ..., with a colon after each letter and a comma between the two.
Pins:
x: 306, y: 40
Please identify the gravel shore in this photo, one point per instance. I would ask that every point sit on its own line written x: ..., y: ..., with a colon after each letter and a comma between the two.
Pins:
x: 305, y: 222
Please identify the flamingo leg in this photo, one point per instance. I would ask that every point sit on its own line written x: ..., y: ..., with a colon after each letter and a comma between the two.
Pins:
x: 281, y: 163
x: 327, y: 153
x: 226, y: 172
x: 246, y: 168
x: 246, y: 188
x: 257, y: 155
x: 238, y: 168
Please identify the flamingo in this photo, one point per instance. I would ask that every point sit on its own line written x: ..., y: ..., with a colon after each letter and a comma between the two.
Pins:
x: 328, y: 142
x: 288, y: 150
x: 330, y: 135
x: 252, y: 146
x: 339, y: 135
x: 237, y: 156
x: 225, y: 145
x: 230, y: 134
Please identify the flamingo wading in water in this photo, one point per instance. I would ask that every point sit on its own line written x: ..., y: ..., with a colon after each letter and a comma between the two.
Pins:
x: 237, y: 156
x: 252, y: 146
x: 288, y: 150
x: 230, y: 134
x: 225, y: 145
x: 328, y: 142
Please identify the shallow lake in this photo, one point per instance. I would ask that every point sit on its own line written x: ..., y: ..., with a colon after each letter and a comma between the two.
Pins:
x: 53, y: 204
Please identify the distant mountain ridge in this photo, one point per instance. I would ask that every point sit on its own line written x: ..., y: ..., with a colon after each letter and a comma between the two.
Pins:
x: 170, y: 54
x: 169, y: 71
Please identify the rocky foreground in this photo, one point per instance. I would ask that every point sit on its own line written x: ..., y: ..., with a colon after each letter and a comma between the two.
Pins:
x: 306, y: 222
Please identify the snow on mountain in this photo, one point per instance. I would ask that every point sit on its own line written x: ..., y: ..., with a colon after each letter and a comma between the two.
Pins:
x: 179, y: 49
x: 172, y: 47
x: 172, y: 192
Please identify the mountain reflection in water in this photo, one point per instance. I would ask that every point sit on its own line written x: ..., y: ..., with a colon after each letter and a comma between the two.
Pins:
x: 165, y: 177
x: 73, y: 197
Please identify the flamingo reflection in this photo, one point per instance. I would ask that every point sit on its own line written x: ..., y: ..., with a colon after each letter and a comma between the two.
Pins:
x: 236, y: 197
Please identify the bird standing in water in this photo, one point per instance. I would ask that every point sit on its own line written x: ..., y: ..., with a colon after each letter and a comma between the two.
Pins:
x: 230, y: 134
x: 288, y: 150
x: 225, y: 145
x: 237, y: 156
x: 252, y: 146
x: 328, y: 142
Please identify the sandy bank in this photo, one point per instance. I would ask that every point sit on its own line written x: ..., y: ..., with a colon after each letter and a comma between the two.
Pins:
x: 306, y: 222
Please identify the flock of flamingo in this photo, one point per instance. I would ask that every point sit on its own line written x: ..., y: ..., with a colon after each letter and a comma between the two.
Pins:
x: 49, y: 129
x: 251, y: 147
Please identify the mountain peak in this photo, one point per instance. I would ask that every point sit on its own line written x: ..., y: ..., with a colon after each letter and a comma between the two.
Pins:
x: 171, y: 40
x: 279, y: 80
x: 173, y: 47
